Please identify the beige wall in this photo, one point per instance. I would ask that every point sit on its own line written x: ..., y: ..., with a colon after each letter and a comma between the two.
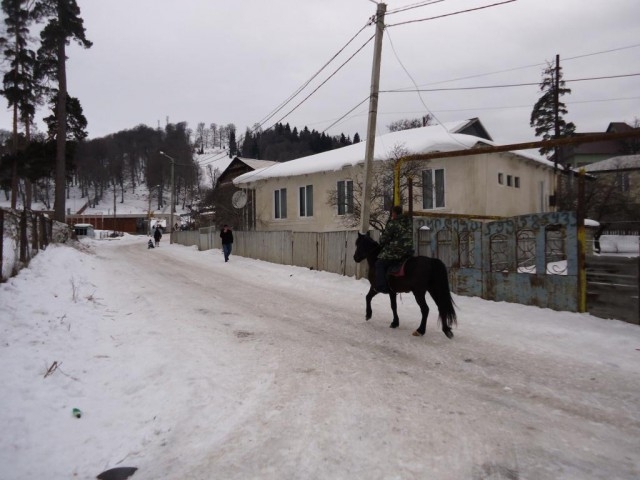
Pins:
x: 471, y: 189
x: 472, y: 186
x: 325, y: 217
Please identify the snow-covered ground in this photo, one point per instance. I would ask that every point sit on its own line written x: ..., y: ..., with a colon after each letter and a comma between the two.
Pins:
x: 187, y: 367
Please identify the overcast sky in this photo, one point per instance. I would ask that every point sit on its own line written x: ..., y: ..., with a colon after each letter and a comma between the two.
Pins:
x: 218, y: 61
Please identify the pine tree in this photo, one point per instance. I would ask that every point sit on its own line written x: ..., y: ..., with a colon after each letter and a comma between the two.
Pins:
x: 64, y: 25
x: 543, y: 115
x: 233, y: 147
x: 20, y: 86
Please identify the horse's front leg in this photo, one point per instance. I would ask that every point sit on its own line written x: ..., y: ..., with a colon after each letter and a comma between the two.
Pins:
x: 424, y: 309
x: 394, y: 308
x: 372, y: 293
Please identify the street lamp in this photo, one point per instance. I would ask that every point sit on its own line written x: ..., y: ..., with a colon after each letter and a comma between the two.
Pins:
x: 173, y: 162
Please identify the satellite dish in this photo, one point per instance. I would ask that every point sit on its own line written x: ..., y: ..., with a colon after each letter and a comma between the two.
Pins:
x: 239, y: 199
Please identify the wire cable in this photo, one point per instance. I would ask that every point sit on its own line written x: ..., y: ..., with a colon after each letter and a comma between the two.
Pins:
x: 481, y: 87
x: 325, y: 81
x: 412, y: 6
x: 450, y: 14
x: 305, y: 84
x: 420, y: 96
x: 339, y: 119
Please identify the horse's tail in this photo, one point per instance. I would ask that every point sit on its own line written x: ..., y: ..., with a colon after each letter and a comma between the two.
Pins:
x: 440, y: 292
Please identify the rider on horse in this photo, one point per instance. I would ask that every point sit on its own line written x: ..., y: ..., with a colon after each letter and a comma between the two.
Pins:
x: 397, y: 244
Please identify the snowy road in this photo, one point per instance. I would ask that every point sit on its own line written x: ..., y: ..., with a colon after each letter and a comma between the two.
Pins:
x: 252, y: 370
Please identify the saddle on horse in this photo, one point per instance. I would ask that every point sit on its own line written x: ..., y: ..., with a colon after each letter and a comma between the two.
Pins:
x: 397, y: 269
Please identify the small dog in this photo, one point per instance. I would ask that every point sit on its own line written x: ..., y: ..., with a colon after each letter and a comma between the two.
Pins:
x: 150, y: 244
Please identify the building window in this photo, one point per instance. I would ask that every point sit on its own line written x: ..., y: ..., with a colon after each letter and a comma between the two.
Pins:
x: 622, y: 182
x: 509, y: 180
x: 345, y: 197
x: 433, y: 188
x: 516, y: 181
x: 280, y: 203
x: 306, y: 201
x: 501, y: 178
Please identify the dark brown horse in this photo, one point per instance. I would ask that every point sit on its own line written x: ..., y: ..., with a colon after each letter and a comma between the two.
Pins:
x: 421, y: 275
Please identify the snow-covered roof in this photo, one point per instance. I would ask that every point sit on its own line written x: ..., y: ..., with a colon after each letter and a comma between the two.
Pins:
x: 256, y: 164
x: 615, y: 163
x: 435, y: 138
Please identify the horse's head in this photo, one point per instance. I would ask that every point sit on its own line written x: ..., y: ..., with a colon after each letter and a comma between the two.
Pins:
x: 365, y: 246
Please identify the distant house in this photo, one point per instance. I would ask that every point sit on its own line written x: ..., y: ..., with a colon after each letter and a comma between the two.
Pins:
x: 583, y: 154
x: 617, y: 182
x: 84, y: 230
x: 235, y: 211
x: 295, y: 195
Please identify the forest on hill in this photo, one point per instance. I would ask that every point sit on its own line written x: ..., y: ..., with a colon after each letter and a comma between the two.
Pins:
x: 132, y: 157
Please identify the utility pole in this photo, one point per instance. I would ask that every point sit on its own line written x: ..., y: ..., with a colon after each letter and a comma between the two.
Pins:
x: 171, y: 209
x: 173, y: 200
x: 371, y: 127
x: 556, y: 119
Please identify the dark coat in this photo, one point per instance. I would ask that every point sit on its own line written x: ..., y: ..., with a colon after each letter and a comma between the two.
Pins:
x: 226, y: 236
x: 157, y: 235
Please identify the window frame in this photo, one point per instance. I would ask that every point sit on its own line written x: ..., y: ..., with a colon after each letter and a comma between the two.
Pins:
x: 344, y: 197
x: 305, y: 201
x: 280, y: 204
x: 436, y: 184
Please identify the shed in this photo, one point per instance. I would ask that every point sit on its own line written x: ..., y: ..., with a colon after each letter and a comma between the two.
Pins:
x: 84, y: 230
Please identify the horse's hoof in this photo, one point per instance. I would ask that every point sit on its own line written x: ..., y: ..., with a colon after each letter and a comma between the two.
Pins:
x: 417, y: 334
x: 449, y: 334
x: 394, y: 325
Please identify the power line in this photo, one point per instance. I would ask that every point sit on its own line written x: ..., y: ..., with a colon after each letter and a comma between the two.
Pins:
x: 481, y: 87
x: 601, y: 52
x: 343, y: 116
x: 326, y: 80
x: 450, y: 110
x: 507, y: 107
x: 412, y: 6
x: 451, y: 14
x: 523, y: 67
x: 305, y: 84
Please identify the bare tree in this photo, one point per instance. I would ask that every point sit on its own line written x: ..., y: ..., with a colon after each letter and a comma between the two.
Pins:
x: 214, y: 175
x: 409, y: 123
x: 200, y: 137
x: 214, y: 134
x: 381, y: 189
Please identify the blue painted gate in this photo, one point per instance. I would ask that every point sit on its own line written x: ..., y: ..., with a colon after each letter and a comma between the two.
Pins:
x: 529, y: 259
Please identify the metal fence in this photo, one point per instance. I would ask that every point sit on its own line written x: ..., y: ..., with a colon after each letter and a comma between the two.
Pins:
x: 328, y: 251
x: 531, y: 259
x: 613, y: 287
x: 24, y: 234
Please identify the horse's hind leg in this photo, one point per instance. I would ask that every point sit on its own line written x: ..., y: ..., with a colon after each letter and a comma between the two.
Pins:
x: 394, y: 308
x: 446, y: 329
x: 424, y: 309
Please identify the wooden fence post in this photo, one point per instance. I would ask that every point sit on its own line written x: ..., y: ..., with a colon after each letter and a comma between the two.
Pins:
x: 23, y: 237
x: 1, y: 240
x: 34, y: 232
x: 582, y: 269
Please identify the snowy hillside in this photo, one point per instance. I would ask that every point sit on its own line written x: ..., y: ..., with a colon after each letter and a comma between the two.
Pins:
x: 136, y: 200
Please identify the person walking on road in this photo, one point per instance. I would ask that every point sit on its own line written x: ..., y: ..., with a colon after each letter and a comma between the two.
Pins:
x: 157, y: 235
x: 227, y: 241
